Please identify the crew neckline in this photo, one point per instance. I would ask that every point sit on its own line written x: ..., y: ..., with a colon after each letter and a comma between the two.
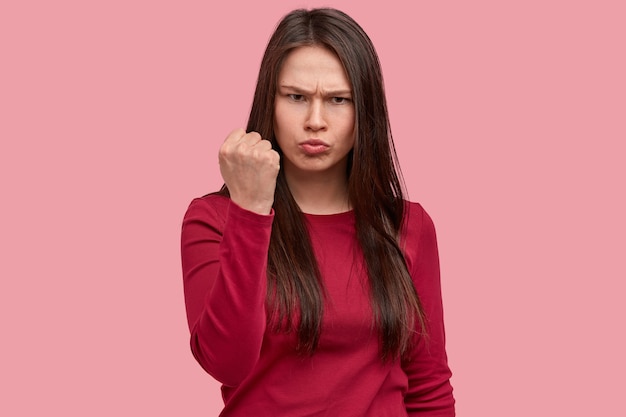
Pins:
x: 330, y: 218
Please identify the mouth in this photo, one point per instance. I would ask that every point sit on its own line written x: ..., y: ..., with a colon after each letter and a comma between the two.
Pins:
x: 314, y: 146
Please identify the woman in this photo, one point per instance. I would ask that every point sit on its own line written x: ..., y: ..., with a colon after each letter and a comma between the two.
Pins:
x: 312, y: 287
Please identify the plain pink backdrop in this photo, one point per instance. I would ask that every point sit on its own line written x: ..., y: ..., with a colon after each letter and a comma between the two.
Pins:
x: 510, y: 122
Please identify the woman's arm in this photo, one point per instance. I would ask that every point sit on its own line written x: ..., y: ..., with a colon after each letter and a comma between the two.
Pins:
x: 224, y: 257
x: 430, y: 392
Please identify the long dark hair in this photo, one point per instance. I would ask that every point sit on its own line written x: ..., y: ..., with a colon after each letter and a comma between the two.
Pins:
x: 374, y: 191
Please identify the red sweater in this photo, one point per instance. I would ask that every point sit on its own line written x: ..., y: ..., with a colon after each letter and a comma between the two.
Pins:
x: 224, y: 259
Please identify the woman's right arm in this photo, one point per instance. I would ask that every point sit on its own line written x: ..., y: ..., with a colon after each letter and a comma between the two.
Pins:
x: 224, y: 257
x: 225, y: 244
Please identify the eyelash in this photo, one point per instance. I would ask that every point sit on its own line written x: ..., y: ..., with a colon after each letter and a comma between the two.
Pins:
x: 335, y: 100
x: 342, y: 100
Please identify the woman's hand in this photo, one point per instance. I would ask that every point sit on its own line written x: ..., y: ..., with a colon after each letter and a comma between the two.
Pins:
x: 249, y: 167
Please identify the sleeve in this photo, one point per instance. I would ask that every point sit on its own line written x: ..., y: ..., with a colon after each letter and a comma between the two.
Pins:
x: 429, y: 392
x: 224, y: 261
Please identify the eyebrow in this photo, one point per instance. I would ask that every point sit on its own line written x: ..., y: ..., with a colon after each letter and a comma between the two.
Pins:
x: 302, y: 91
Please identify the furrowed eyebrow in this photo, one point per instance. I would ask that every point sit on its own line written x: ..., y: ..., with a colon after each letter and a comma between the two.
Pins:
x: 302, y: 91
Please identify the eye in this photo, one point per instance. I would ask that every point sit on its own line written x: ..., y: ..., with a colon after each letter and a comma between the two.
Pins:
x: 296, y: 97
x: 340, y: 100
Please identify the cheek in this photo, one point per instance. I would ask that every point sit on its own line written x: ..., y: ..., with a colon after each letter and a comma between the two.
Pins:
x: 280, y: 118
x: 281, y: 126
x: 349, y: 127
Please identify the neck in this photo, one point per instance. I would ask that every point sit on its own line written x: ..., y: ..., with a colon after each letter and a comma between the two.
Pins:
x: 321, y: 193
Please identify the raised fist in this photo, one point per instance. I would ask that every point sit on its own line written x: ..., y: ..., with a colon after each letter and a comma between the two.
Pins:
x: 249, y: 167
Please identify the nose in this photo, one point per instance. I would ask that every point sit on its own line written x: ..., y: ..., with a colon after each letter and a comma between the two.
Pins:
x: 315, y: 118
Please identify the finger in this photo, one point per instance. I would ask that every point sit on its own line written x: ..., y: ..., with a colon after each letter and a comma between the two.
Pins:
x: 263, y: 145
x: 234, y: 137
x: 237, y: 133
x: 275, y: 158
x: 251, y: 138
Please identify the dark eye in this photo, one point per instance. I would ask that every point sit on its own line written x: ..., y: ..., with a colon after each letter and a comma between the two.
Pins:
x: 340, y: 100
x: 296, y: 97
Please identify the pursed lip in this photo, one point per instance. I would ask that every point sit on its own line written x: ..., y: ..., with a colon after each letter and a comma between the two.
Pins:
x: 314, y: 142
x: 314, y: 146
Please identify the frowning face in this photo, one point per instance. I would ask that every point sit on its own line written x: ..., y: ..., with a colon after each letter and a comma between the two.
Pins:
x: 314, y: 113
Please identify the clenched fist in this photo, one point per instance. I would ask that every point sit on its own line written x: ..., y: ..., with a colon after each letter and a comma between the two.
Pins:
x: 249, y: 167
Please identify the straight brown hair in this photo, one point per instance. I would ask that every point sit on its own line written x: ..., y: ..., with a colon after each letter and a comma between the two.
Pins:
x: 374, y: 190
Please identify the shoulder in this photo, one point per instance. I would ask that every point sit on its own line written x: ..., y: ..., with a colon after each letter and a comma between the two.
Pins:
x: 214, y: 201
x: 416, y: 220
x: 211, y: 208
x: 418, y: 236
x: 216, y: 211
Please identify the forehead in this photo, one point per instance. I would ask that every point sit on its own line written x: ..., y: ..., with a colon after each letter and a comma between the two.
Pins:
x: 313, y: 66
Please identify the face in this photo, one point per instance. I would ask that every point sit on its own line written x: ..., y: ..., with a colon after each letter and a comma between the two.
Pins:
x: 314, y: 113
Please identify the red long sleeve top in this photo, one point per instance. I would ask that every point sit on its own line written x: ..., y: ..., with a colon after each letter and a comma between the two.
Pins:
x: 224, y: 259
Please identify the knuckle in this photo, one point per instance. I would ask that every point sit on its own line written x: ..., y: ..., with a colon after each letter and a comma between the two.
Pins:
x: 226, y: 150
x: 234, y: 135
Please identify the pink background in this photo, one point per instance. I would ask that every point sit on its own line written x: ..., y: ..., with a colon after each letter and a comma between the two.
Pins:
x: 510, y: 122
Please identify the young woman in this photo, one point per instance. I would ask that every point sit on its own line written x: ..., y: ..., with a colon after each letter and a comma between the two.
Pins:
x: 312, y: 287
